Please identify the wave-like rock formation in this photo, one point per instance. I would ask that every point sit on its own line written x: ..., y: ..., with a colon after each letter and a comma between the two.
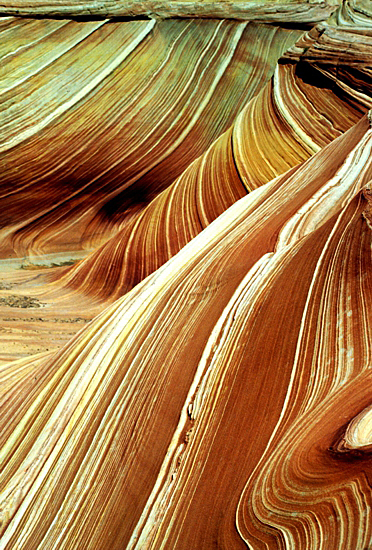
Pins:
x: 218, y: 393
x: 314, y: 96
x: 158, y: 422
x: 107, y: 115
x: 354, y: 12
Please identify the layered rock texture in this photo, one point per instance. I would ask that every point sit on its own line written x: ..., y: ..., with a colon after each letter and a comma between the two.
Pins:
x: 293, y: 11
x: 186, y: 276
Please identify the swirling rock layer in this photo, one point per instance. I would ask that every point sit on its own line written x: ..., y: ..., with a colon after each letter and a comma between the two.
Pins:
x: 270, y: 135
x: 220, y: 396
x: 61, y: 187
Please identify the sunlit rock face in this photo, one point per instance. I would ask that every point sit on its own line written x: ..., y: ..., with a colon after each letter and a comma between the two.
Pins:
x: 308, y: 102
x: 202, y: 378
x: 108, y: 114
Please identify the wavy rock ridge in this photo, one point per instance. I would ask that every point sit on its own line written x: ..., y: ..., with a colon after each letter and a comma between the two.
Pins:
x: 157, y: 115
x: 270, y: 135
x: 221, y: 394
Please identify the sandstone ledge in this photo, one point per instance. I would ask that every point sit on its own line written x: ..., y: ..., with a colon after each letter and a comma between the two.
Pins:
x: 290, y: 12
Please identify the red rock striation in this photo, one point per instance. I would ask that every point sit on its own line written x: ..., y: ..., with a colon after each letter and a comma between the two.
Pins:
x: 221, y: 395
x: 299, y: 111
x: 62, y: 187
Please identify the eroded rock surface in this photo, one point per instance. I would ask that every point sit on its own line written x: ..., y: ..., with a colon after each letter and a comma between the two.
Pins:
x: 201, y: 377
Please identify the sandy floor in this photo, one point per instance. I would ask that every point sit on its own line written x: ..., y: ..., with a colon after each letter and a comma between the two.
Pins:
x: 36, y: 316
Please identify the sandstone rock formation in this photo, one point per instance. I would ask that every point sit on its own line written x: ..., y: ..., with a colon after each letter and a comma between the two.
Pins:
x: 288, y: 11
x: 201, y: 378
